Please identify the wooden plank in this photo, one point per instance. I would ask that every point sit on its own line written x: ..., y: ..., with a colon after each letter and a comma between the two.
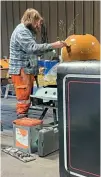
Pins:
x: 37, y: 6
x: 16, y: 15
x: 4, y: 41
x: 88, y: 17
x: 22, y: 8
x: 69, y: 18
x: 10, y: 25
x: 1, y: 54
x: 61, y: 23
x: 45, y: 14
x: 97, y: 19
x: 78, y: 9
x: 29, y: 4
x: 53, y: 21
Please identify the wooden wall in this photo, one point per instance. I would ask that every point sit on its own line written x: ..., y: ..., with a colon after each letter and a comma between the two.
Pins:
x: 86, y: 15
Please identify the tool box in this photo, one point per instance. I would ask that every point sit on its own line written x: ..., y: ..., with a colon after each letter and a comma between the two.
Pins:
x: 26, y: 134
x: 48, y: 140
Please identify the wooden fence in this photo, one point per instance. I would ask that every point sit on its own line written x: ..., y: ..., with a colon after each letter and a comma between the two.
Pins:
x: 85, y: 14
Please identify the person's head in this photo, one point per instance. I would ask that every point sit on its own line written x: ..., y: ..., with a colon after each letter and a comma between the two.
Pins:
x: 32, y: 18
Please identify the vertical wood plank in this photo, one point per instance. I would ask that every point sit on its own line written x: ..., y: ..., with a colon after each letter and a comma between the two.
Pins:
x: 29, y: 4
x: 22, y: 8
x: 88, y: 17
x: 78, y: 10
x: 10, y: 25
x: 97, y: 19
x: 45, y: 14
x: 61, y: 23
x: 1, y: 54
x: 16, y: 13
x: 4, y: 40
x: 37, y: 6
x: 69, y: 17
x: 53, y: 21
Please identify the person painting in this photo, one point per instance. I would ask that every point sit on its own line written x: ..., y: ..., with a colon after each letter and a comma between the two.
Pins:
x: 23, y: 57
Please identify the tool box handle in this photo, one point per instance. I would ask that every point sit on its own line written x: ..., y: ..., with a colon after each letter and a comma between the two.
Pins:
x: 52, y: 126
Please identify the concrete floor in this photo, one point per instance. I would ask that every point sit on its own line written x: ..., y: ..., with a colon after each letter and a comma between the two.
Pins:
x: 11, y: 167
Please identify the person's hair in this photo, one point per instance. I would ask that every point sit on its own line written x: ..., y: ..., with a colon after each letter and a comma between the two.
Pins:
x: 30, y: 16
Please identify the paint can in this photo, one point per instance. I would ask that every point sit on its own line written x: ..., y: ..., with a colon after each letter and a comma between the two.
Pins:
x: 25, y: 134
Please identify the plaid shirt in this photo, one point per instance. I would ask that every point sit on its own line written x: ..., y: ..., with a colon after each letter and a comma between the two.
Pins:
x: 24, y: 51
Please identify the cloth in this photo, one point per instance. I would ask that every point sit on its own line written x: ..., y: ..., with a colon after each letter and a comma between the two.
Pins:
x: 24, y: 51
x: 23, y: 84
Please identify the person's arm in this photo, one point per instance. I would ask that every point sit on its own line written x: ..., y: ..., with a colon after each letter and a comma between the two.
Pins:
x: 29, y: 45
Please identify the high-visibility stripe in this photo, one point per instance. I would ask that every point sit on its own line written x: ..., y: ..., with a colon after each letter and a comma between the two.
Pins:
x: 23, y: 101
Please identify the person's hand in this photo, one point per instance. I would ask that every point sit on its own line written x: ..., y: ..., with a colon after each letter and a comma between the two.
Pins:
x: 41, y: 70
x: 59, y: 44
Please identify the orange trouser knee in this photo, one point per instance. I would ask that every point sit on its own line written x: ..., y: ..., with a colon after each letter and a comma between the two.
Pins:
x: 23, y: 84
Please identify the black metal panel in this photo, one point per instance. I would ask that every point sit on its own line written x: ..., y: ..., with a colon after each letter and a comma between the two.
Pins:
x: 81, y: 130
x: 84, y: 125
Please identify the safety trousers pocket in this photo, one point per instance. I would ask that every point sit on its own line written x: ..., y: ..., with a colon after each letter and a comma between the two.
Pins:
x: 23, y: 92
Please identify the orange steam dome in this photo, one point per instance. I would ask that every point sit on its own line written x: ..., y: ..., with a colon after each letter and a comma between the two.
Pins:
x: 81, y: 47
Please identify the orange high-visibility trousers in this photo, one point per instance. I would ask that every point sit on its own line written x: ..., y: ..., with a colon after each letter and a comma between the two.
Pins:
x: 23, y: 84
